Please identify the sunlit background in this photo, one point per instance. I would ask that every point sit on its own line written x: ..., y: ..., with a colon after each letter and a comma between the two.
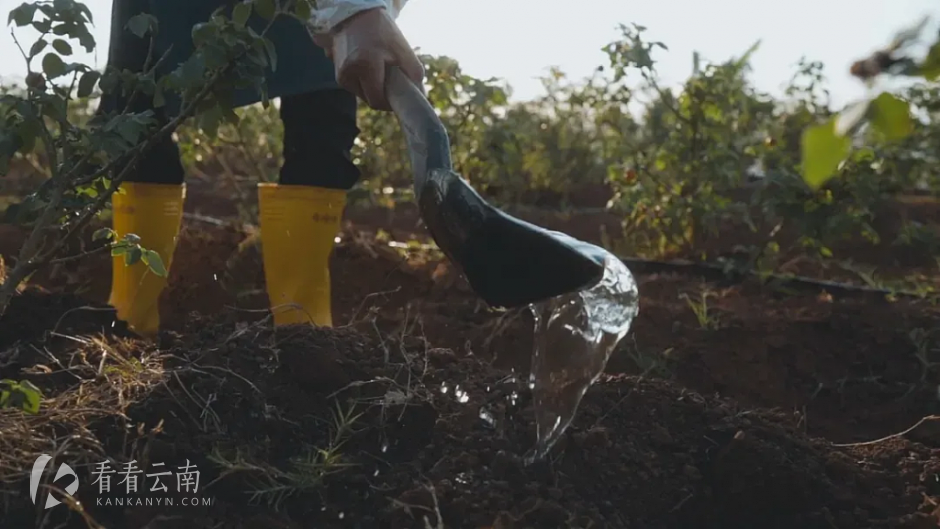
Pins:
x: 518, y: 40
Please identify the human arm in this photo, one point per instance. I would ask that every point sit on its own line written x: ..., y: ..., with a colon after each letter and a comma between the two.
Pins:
x: 331, y: 13
x: 363, y: 40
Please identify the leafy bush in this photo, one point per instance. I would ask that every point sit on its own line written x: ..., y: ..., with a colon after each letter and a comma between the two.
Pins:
x: 87, y: 160
x: 679, y: 167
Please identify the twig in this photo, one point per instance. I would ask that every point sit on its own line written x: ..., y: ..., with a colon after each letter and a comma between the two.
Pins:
x: 230, y: 372
x: 70, y: 311
x: 929, y: 418
x: 76, y: 257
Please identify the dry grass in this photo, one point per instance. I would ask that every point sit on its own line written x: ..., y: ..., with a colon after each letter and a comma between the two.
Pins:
x: 97, y: 380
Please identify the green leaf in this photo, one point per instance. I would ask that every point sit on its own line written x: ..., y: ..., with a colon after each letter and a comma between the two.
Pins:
x: 154, y: 262
x: 23, y: 395
x: 32, y: 396
x: 86, y: 85
x: 203, y: 32
x: 103, y: 234
x: 891, y: 116
x: 266, y: 8
x: 240, y: 14
x: 61, y: 46
x: 85, y: 38
x: 210, y: 120
x: 930, y: 69
x: 302, y: 10
x: 37, y: 47
x: 22, y: 15
x: 52, y: 66
x: 141, y: 24
x: 87, y: 12
x: 28, y: 131
x: 272, y: 54
x: 822, y: 151
x: 132, y: 255
x: 159, y: 100
x: 118, y: 250
x: 42, y: 26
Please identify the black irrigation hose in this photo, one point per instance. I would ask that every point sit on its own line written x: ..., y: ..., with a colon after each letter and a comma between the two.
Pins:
x: 778, y: 282
x: 721, y: 274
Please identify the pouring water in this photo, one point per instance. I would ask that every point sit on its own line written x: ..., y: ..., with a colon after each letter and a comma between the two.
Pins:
x: 574, y: 337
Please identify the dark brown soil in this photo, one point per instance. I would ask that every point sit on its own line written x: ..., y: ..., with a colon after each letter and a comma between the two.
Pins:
x: 731, y: 426
x: 642, y: 453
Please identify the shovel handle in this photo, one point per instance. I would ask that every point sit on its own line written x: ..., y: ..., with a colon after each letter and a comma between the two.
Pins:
x: 426, y: 136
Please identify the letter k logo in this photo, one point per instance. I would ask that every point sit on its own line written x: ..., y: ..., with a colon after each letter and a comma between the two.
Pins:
x: 36, y: 476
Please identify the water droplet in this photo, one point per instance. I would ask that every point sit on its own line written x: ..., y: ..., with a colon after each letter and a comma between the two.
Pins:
x: 463, y: 478
x: 342, y: 515
x: 487, y: 417
x: 376, y: 473
x: 462, y: 396
x: 384, y: 446
x: 337, y: 240
x: 215, y: 277
x: 444, y: 388
x: 574, y: 337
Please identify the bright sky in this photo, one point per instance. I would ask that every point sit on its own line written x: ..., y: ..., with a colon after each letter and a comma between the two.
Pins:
x: 518, y: 40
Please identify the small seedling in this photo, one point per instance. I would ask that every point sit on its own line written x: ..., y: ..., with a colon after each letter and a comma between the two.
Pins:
x: 706, y: 319
x: 865, y: 273
x: 307, y: 472
x: 658, y: 364
x: 22, y: 395
x: 129, y: 246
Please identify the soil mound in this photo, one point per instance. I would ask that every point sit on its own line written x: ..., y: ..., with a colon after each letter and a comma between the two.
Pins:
x: 309, y: 427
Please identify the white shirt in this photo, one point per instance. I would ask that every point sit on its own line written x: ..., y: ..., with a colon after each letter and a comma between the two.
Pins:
x: 330, y: 13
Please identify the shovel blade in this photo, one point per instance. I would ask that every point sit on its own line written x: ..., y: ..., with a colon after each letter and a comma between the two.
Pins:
x: 507, y: 261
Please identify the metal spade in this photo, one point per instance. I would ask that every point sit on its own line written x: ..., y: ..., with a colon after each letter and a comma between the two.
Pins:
x: 507, y: 261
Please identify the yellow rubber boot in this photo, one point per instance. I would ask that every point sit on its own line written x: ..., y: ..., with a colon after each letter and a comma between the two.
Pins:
x: 154, y: 213
x: 299, y: 225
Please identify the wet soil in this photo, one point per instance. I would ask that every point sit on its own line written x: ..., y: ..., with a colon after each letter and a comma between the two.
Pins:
x: 734, y: 423
x: 642, y: 453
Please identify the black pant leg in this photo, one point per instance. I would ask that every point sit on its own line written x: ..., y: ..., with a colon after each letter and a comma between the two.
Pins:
x: 319, y: 131
x: 161, y: 164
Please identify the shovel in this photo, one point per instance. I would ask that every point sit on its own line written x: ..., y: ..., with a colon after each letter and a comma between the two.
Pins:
x: 508, y: 262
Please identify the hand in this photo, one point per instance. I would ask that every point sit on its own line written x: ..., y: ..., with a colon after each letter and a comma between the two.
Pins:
x: 363, y: 47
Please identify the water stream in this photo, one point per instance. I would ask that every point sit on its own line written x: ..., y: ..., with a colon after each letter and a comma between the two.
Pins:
x: 574, y: 337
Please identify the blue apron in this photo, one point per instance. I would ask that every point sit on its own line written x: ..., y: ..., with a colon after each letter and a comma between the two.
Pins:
x: 302, y: 66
